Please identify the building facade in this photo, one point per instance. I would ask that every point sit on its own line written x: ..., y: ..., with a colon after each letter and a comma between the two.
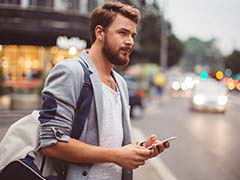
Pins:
x: 36, y: 34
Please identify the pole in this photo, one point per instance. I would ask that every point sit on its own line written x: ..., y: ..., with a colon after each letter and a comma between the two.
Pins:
x: 164, y: 38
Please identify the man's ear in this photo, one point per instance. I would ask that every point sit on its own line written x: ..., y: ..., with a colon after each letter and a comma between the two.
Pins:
x: 99, y: 32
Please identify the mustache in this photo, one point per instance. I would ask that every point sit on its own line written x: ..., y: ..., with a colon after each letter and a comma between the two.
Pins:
x: 127, y: 48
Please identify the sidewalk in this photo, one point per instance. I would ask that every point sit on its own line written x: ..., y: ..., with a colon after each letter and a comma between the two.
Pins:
x: 147, y: 171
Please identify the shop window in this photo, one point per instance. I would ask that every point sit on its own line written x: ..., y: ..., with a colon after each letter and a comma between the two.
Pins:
x: 11, y: 2
x: 41, y: 3
x: 24, y: 67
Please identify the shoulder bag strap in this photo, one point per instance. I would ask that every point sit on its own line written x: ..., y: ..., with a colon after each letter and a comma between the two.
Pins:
x: 83, y: 105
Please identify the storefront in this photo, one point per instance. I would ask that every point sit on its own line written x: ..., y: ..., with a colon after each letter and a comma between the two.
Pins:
x: 25, y: 66
x: 32, y: 41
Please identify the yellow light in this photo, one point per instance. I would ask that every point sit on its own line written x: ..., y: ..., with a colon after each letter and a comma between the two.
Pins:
x: 219, y: 75
x: 159, y: 79
x: 231, y: 86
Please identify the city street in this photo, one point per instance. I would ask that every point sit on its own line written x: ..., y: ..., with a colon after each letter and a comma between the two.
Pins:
x: 184, y: 63
x: 207, y: 145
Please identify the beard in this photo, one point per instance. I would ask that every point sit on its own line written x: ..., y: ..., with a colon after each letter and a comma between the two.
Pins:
x: 119, y: 57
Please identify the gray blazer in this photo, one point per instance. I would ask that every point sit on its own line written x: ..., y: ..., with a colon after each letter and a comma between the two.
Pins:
x: 60, y: 94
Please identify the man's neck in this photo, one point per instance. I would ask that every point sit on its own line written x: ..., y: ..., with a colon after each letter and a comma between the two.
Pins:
x: 103, y: 66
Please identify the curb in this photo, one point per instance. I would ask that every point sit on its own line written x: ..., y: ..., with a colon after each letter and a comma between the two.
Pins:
x: 157, y: 164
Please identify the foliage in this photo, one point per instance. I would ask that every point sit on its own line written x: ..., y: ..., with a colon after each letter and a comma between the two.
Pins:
x: 149, y: 41
x: 233, y: 62
x: 175, y: 50
x: 204, y: 53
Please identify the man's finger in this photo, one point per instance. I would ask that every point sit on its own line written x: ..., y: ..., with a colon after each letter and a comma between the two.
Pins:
x: 166, y: 144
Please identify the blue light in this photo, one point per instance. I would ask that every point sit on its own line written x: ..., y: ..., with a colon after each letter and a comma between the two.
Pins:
x: 204, y: 75
x: 228, y: 72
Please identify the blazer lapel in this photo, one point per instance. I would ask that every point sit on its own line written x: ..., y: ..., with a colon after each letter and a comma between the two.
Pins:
x: 97, y: 89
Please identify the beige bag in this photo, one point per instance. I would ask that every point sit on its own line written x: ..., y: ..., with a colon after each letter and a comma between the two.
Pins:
x: 20, y: 139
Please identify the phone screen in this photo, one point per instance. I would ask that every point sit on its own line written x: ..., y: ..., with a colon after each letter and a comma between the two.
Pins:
x: 169, y: 139
x: 164, y: 141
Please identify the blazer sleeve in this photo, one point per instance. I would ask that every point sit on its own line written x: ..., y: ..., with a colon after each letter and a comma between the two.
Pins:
x: 59, y: 98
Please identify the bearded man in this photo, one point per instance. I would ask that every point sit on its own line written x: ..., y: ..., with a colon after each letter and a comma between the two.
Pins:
x: 105, y: 149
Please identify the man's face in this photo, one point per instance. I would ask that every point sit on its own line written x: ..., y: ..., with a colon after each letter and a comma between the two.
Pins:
x: 119, y: 40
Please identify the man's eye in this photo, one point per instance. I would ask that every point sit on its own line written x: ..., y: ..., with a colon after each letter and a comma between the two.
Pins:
x: 122, y: 33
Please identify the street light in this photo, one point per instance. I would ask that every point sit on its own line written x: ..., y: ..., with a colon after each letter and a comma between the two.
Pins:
x: 164, y: 37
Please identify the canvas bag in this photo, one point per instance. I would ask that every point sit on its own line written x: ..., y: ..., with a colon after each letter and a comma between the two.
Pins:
x: 17, y: 136
x: 20, y: 144
x: 22, y: 138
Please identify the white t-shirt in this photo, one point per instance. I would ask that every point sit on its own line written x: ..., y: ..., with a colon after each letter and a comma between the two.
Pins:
x: 111, y: 135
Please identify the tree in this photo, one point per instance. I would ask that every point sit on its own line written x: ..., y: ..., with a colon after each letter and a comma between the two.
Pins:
x: 204, y: 53
x: 149, y: 41
x: 233, y: 62
x: 175, y: 50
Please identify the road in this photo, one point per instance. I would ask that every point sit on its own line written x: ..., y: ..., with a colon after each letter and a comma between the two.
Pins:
x: 207, y: 147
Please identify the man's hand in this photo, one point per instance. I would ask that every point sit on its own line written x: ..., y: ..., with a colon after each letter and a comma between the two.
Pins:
x: 155, y: 146
x: 132, y: 156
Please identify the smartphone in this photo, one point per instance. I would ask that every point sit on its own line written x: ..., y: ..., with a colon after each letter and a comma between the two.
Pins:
x: 169, y: 139
x: 163, y: 141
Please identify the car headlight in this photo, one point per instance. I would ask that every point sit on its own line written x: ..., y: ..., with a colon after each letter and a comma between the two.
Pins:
x: 222, y: 100
x: 198, y: 99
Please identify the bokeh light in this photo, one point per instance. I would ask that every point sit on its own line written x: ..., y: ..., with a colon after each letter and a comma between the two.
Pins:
x: 204, y: 75
x: 228, y: 72
x: 219, y: 75
x: 238, y: 86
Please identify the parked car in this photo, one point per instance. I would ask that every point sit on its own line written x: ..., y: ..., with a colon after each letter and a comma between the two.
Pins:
x: 209, y: 95
x: 136, y: 96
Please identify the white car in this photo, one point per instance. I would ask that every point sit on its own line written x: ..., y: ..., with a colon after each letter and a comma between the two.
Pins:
x: 209, y: 95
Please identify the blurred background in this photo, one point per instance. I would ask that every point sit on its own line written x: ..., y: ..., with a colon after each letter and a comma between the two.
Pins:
x: 183, y: 78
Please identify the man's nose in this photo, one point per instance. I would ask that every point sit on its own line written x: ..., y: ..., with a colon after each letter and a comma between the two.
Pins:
x: 129, y: 41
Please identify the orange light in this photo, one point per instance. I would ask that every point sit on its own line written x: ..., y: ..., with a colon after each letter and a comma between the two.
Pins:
x: 235, y: 82
x: 141, y: 93
x: 225, y: 80
x: 238, y: 86
x: 230, y: 80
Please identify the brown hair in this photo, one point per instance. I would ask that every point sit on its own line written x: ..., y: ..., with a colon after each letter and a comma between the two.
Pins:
x: 105, y: 15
